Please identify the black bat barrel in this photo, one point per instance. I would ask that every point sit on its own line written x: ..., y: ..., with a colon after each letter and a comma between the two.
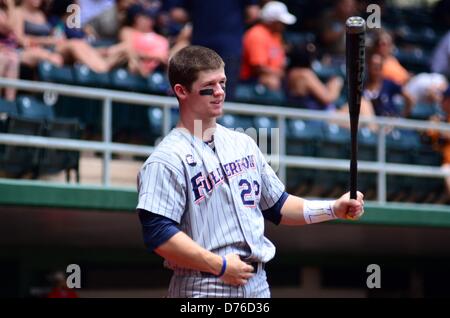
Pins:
x: 355, y: 61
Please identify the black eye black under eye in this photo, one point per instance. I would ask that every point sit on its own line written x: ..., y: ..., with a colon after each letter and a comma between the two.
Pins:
x: 206, y: 91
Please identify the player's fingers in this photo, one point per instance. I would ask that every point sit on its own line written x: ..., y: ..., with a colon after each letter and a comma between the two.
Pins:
x: 248, y: 268
x: 247, y: 275
x: 355, y: 213
x: 243, y: 281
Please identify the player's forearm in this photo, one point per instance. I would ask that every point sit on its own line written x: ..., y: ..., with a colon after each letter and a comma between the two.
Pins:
x: 298, y: 211
x: 181, y: 250
x: 292, y: 211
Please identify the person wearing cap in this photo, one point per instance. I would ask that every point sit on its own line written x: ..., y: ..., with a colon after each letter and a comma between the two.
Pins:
x: 264, y: 57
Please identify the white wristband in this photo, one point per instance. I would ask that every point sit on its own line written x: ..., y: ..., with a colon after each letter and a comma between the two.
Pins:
x: 318, y: 211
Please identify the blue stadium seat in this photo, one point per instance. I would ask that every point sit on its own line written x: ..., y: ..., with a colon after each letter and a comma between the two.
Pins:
x: 31, y: 107
x: 424, y: 111
x: 52, y: 161
x: 367, y: 144
x: 123, y: 80
x: 84, y: 76
x: 87, y: 111
x: 48, y: 72
x: 415, y: 60
x: 303, y: 137
x: 16, y: 161
x: 258, y: 94
x: 7, y: 109
x: 401, y: 145
x: 265, y: 123
x: 158, y: 83
x: 236, y: 121
x: 335, y: 142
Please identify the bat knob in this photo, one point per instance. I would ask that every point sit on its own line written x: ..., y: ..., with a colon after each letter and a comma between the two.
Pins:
x: 355, y: 25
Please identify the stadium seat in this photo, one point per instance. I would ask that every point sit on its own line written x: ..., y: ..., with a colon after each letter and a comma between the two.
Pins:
x: 155, y: 116
x: 258, y: 94
x: 16, y: 161
x: 174, y: 116
x: 87, y: 111
x: 423, y: 111
x: 7, y: 108
x: 334, y: 145
x: 240, y: 122
x: 303, y: 137
x: 48, y: 72
x: 157, y: 83
x: 426, y: 155
x: 84, y: 76
x: 53, y: 161
x: 401, y: 145
x: 335, y: 142
x: 367, y: 145
x: 31, y: 107
x: 123, y: 80
x: 414, y: 60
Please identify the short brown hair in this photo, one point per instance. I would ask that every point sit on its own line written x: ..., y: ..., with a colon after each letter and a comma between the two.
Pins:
x: 185, y: 65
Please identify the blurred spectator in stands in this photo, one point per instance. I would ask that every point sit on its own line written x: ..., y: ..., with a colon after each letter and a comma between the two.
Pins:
x: 9, y: 56
x: 264, y: 56
x: 58, y: 18
x: 440, y: 62
x: 382, y: 92
x: 332, y: 34
x: 60, y: 289
x: 392, y: 69
x: 34, y: 30
x: 305, y: 88
x: 105, y: 26
x: 427, y: 88
x: 223, y: 37
x: 147, y: 50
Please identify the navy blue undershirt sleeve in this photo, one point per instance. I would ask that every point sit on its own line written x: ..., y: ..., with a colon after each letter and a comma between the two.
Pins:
x: 156, y: 229
x: 274, y: 213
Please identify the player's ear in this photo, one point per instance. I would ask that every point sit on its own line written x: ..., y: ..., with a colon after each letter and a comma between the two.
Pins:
x: 180, y: 91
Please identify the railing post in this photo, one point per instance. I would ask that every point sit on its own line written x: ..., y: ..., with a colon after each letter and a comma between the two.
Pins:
x: 282, y: 147
x: 381, y: 154
x: 107, y: 133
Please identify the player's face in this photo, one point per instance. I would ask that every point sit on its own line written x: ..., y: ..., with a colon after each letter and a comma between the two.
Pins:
x: 208, y: 94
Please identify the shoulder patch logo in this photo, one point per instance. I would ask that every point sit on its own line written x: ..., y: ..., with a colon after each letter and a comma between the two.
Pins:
x: 190, y: 160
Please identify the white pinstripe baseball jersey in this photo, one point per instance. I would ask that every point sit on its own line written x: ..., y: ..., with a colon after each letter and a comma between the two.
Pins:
x: 216, y: 196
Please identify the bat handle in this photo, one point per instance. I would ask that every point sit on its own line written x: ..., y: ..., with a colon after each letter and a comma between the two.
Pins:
x: 353, y: 177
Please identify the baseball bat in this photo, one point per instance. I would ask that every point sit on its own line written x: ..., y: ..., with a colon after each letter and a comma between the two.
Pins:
x: 355, y: 62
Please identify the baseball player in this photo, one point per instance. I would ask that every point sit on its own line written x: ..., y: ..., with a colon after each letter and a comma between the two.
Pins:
x: 205, y: 191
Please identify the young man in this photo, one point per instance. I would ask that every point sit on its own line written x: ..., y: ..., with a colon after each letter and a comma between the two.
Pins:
x: 206, y: 190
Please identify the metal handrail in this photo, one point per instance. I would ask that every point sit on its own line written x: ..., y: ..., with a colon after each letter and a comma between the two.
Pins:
x: 280, y: 113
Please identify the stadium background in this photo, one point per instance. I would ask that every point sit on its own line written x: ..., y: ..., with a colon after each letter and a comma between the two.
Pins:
x: 47, y: 224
